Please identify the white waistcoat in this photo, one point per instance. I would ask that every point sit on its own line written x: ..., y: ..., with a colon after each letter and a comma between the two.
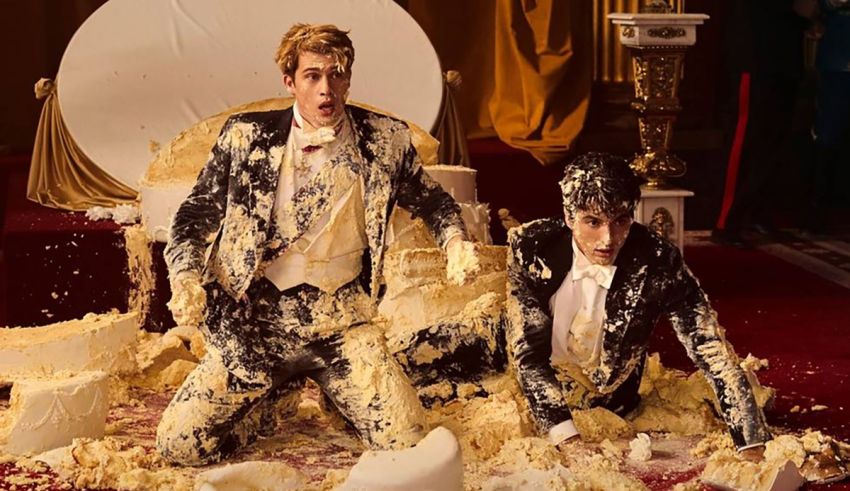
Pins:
x: 329, y: 254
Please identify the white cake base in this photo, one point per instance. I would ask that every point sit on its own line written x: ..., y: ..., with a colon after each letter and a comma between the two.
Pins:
x: 47, y: 414
x: 96, y: 342
x: 433, y: 464
x: 457, y: 180
x: 251, y: 475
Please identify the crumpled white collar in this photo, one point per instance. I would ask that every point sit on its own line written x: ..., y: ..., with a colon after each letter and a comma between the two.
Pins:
x: 583, y: 268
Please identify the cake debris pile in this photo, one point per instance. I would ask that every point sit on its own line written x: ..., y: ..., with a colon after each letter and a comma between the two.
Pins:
x: 489, y: 419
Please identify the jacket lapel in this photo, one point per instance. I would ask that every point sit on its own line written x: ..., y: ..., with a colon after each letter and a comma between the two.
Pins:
x: 377, y: 189
x: 265, y: 172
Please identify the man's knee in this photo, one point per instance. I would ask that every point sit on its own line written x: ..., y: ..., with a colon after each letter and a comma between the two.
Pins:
x: 179, y: 444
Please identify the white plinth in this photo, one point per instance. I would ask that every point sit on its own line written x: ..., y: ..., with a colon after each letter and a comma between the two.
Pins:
x: 638, y: 30
x: 663, y: 210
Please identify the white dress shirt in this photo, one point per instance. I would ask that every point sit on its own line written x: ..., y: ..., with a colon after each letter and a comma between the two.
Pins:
x: 578, y: 312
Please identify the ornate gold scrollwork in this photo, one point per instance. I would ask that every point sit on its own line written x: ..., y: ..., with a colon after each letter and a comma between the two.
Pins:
x: 656, y: 7
x: 628, y: 32
x: 657, y: 71
x: 662, y: 223
x: 667, y: 32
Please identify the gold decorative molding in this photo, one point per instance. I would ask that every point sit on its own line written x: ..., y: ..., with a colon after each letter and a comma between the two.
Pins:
x: 656, y: 7
x: 656, y: 104
x: 610, y: 58
x: 628, y: 32
x: 662, y: 223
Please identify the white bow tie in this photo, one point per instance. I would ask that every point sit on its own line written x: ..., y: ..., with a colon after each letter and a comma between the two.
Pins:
x: 325, y: 134
x: 603, y: 275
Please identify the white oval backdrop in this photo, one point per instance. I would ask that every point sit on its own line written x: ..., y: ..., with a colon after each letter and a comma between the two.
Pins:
x: 141, y: 71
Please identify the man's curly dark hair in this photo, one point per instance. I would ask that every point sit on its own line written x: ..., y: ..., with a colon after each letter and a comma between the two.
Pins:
x: 601, y: 183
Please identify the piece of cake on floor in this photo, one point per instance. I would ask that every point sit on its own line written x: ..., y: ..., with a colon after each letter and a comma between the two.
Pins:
x: 48, y: 413
x: 103, y: 342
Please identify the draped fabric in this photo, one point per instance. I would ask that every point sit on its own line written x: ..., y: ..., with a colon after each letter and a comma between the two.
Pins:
x: 61, y: 176
x: 449, y: 129
x: 527, y: 67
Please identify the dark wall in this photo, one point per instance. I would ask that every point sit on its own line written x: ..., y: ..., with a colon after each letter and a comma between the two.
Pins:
x: 33, y: 36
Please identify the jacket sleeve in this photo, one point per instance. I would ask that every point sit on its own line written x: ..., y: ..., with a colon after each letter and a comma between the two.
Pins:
x: 201, y: 213
x: 696, y: 326
x: 528, y: 335
x: 424, y: 198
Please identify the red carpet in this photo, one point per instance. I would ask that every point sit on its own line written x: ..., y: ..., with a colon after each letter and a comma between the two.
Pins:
x: 770, y: 308
x: 796, y: 320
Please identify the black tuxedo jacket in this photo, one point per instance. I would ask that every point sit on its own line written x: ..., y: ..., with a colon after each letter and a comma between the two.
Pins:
x: 651, y: 280
x: 224, y: 228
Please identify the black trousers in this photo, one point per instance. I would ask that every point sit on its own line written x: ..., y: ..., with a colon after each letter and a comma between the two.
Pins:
x: 259, y: 353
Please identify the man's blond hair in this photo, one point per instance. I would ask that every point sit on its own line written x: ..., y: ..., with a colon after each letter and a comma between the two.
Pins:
x: 324, y: 39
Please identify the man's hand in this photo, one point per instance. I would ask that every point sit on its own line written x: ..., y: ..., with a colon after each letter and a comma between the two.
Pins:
x: 462, y: 262
x: 188, y: 299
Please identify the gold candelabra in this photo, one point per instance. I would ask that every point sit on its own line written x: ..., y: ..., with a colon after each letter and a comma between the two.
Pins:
x: 657, y: 40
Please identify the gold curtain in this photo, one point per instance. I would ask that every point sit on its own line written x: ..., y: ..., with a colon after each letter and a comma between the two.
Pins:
x: 527, y: 67
x: 61, y: 176
x: 449, y: 130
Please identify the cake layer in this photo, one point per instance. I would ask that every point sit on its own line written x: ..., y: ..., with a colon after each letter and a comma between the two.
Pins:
x: 407, y: 233
x: 457, y: 180
x: 251, y: 475
x: 96, y: 342
x: 419, y: 296
x: 50, y: 413
x: 412, y: 268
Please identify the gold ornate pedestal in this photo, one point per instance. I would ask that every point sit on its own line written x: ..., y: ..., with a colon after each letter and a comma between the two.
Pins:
x: 657, y: 43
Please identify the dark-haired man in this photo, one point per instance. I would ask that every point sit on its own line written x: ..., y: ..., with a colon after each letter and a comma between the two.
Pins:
x: 585, y: 292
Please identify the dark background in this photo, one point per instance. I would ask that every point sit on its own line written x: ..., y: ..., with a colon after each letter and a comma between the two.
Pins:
x: 34, y: 33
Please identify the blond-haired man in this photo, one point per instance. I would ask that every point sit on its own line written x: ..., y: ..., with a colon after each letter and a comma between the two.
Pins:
x: 296, y: 204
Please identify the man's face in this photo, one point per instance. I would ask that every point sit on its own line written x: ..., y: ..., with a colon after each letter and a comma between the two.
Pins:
x: 319, y: 89
x: 600, y: 236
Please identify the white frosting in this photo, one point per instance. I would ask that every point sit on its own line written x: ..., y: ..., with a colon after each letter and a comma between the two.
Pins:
x: 95, y: 342
x: 47, y: 414
x: 433, y: 464
x: 456, y: 180
x: 251, y: 475
x: 159, y: 203
x: 405, y: 233
x: 641, y: 448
